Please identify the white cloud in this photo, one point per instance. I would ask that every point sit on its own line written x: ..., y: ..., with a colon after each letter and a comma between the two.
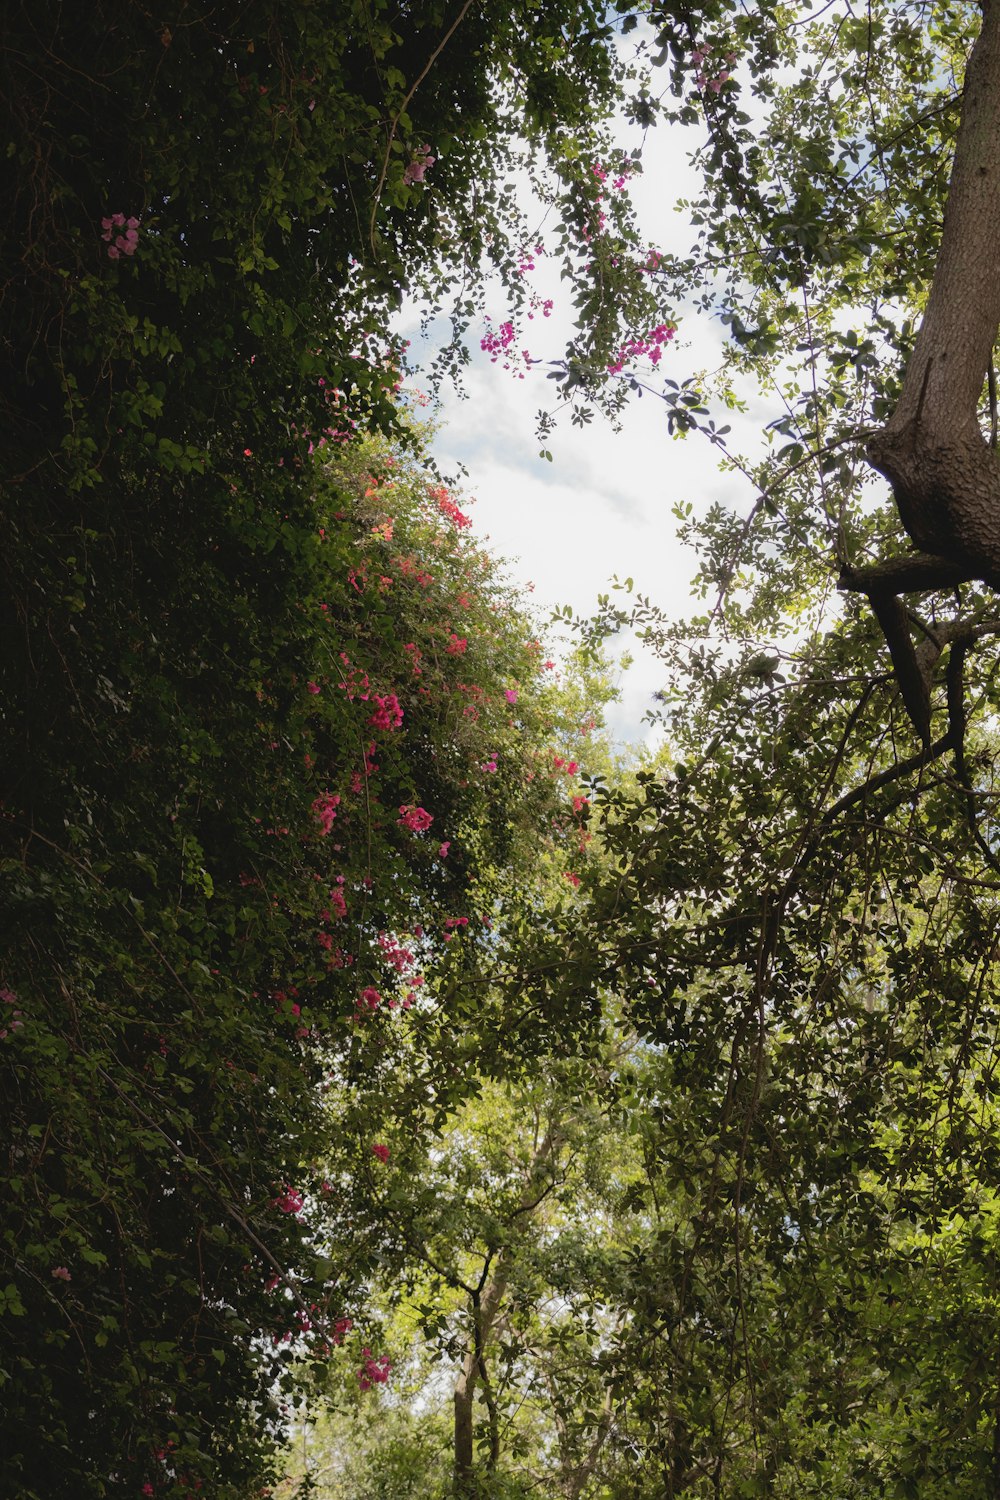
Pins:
x: 604, y: 506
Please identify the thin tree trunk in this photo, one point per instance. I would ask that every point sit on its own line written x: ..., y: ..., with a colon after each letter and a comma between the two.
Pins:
x: 486, y: 1305
x: 582, y: 1474
x: 484, y: 1311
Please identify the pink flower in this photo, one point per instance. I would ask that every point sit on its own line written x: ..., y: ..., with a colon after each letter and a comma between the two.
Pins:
x: 325, y: 808
x: 368, y: 1002
x: 312, y: 686
x: 373, y: 1371
x: 416, y: 819
x: 574, y: 880
x: 389, y: 714
x: 511, y: 695
x: 290, y: 1202
x: 456, y: 645
x: 382, y: 1152
x: 497, y: 344
x: 60, y: 1273
x: 124, y: 244
x: 443, y: 849
x: 421, y: 162
x: 447, y: 507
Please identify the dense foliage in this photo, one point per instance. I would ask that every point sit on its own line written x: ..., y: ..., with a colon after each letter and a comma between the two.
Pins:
x: 264, y: 715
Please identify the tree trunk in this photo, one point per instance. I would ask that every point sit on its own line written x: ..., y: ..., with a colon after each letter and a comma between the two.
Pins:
x: 485, y: 1307
x: 944, y: 475
x: 484, y: 1312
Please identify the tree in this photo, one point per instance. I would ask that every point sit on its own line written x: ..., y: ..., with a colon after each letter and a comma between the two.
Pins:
x: 495, y: 1304
x: 802, y: 920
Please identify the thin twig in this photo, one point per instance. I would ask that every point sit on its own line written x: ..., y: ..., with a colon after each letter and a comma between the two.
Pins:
x: 402, y: 110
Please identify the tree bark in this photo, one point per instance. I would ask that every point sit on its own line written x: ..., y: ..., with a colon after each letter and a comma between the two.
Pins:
x: 944, y: 475
x: 485, y: 1307
x: 484, y: 1312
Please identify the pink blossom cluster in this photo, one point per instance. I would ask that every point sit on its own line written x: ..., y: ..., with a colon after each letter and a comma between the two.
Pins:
x: 120, y: 244
x: 524, y: 265
x: 355, y: 681
x: 14, y: 1017
x: 388, y: 714
x: 373, y: 1371
x: 704, y: 77
x: 447, y: 507
x: 415, y: 658
x: 367, y: 1003
x: 408, y: 568
x: 418, y: 167
x: 649, y: 347
x: 286, y: 1004
x: 382, y: 1152
x: 394, y: 953
x: 290, y: 1202
x: 325, y: 809
x: 624, y: 172
x: 457, y: 644
x: 497, y: 344
x: 416, y: 819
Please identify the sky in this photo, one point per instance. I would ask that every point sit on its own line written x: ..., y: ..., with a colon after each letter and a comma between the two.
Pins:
x: 603, y: 506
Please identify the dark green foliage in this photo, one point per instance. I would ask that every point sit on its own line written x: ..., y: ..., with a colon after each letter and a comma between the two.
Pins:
x: 209, y: 216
